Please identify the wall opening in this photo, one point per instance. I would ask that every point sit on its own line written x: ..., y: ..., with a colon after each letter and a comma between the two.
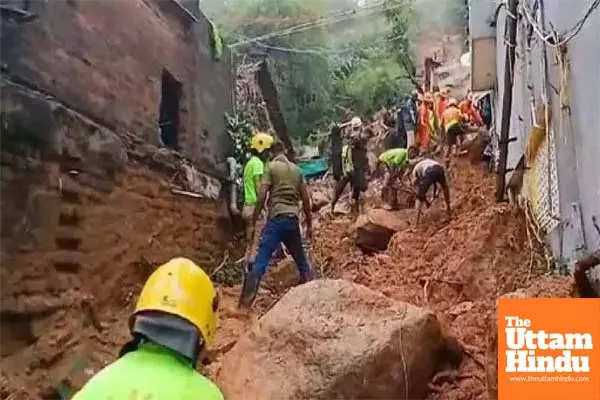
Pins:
x: 168, y: 120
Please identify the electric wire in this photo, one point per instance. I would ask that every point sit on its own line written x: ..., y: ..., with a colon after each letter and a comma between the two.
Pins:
x: 568, y: 35
x: 320, y: 22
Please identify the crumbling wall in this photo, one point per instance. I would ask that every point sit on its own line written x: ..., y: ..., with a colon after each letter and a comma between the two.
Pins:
x: 105, y: 59
x: 86, y: 216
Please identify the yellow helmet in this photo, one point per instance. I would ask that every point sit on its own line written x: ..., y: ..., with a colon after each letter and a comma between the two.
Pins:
x: 261, y: 142
x: 182, y: 288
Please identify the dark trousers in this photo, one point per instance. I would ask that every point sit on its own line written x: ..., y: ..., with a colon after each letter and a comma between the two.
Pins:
x: 281, y: 229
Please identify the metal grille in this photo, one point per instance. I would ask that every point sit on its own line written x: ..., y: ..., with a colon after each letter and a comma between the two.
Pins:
x: 545, y: 191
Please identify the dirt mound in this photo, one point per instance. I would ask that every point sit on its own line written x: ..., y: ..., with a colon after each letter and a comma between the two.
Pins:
x: 457, y: 268
x: 60, y: 327
x: 334, y: 339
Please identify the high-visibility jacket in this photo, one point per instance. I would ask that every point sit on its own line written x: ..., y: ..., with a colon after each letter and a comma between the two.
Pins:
x: 451, y: 116
x: 347, y: 164
x: 150, y: 372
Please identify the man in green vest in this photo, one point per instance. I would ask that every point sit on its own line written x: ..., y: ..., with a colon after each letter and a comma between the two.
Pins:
x: 394, y: 162
x: 173, y: 321
x: 354, y: 164
x: 253, y: 171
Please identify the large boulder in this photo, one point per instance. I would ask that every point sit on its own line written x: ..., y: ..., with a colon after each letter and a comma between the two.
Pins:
x: 332, y: 339
x: 372, y: 231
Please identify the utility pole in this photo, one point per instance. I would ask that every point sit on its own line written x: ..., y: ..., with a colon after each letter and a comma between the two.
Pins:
x: 510, y: 34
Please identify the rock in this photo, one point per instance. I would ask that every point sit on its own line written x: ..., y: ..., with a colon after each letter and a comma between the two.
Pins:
x: 318, y: 200
x: 461, y: 308
x: 477, y: 146
x: 332, y: 339
x: 373, y: 231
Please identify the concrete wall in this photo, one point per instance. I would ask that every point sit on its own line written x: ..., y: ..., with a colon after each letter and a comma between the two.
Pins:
x: 575, y: 129
x: 105, y: 59
x: 482, y: 32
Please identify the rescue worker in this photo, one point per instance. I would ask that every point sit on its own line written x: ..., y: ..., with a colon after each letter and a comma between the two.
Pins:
x: 353, y: 166
x: 470, y: 111
x: 413, y: 117
x: 444, y: 99
x: 426, y: 122
x: 437, y: 98
x: 394, y: 163
x: 428, y: 173
x: 409, y: 111
x: 173, y: 321
x: 284, y: 185
x: 451, y: 120
x: 253, y: 171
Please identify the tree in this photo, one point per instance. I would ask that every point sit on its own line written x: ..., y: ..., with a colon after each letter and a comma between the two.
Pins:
x: 359, y: 62
x: 301, y: 78
x: 401, y: 15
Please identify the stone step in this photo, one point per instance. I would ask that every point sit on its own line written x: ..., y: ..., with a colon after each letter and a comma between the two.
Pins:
x: 68, y: 238
x: 74, y: 192
x: 66, y: 260
x: 70, y: 216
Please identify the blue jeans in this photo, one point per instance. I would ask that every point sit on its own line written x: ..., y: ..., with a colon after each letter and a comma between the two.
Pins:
x: 281, y: 229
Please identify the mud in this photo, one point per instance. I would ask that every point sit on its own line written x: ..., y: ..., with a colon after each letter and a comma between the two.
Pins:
x: 456, y: 267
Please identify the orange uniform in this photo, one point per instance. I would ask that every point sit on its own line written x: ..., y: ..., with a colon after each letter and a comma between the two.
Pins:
x: 471, y: 112
x: 442, y: 106
x: 424, y: 131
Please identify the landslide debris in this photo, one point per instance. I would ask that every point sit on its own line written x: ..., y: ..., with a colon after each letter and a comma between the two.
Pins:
x: 334, y: 339
x: 456, y: 267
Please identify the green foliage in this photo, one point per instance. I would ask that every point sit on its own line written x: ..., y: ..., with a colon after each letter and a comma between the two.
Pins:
x: 323, y: 72
x: 375, y: 83
x: 302, y: 80
x: 239, y: 129
x: 401, y: 16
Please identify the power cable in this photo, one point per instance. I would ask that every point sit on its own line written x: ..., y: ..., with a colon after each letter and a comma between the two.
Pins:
x: 325, y: 52
x: 322, y: 21
x: 568, y: 35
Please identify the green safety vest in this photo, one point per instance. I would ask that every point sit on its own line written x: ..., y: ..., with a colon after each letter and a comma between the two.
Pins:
x: 151, y: 372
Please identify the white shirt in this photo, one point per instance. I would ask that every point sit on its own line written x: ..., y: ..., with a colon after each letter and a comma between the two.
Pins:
x: 422, y: 166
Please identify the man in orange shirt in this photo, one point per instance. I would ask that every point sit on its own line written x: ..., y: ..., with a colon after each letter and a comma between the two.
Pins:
x: 444, y: 95
x: 468, y: 109
x: 426, y: 118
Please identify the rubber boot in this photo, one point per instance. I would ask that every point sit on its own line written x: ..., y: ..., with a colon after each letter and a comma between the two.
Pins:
x: 249, y: 290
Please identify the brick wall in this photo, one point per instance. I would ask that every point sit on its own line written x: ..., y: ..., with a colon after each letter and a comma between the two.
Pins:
x: 84, y: 220
x: 105, y: 58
